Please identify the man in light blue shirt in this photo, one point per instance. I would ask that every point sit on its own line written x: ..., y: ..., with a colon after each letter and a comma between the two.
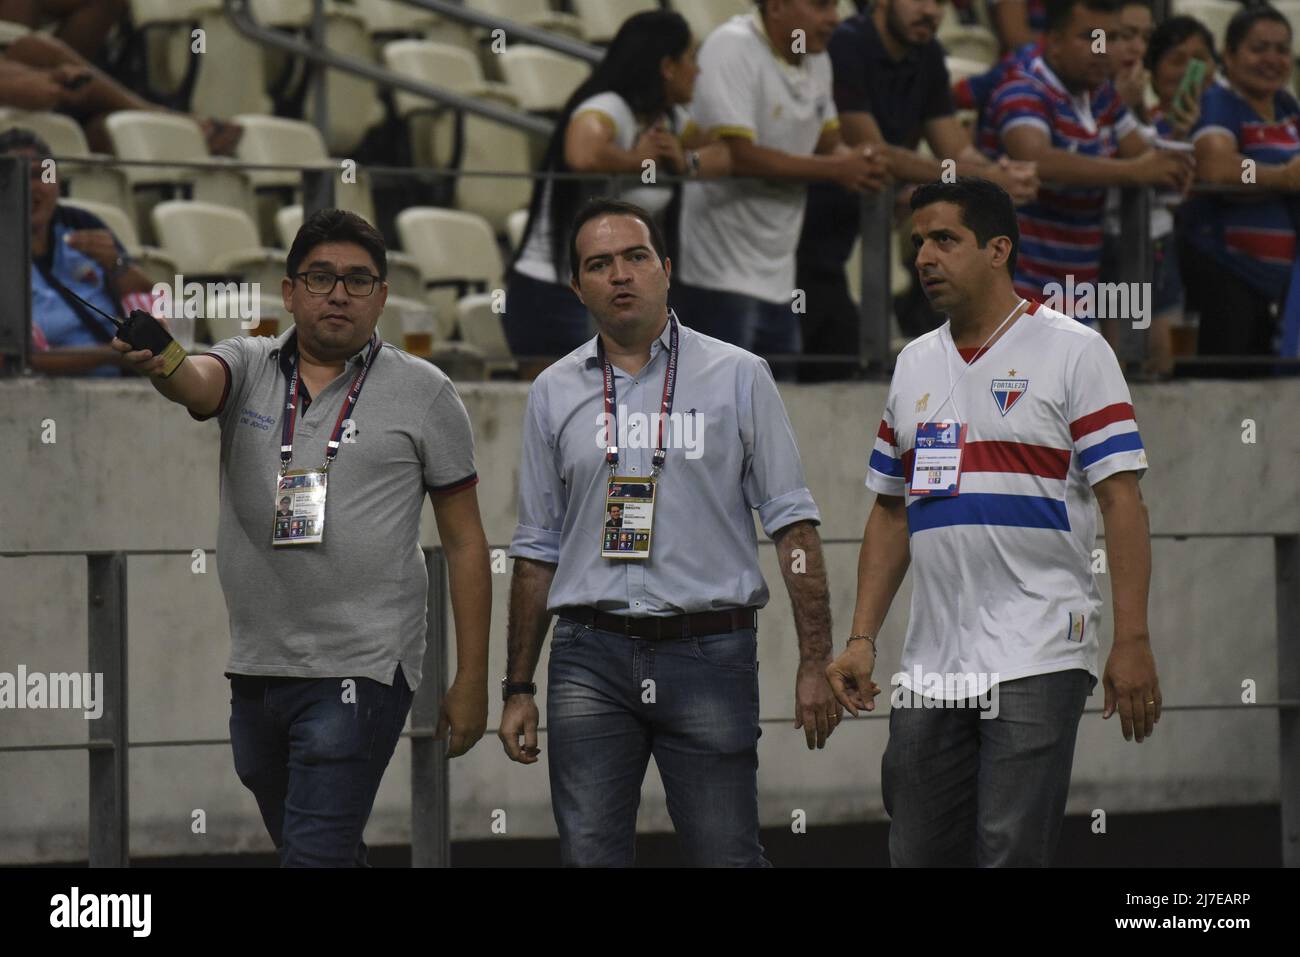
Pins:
x: 655, y: 655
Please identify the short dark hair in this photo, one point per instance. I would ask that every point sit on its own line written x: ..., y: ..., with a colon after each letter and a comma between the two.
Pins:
x: 337, y: 226
x: 19, y: 138
x: 986, y: 209
x: 1174, y: 32
x: 604, y: 206
x: 1060, y: 11
x: 1247, y: 17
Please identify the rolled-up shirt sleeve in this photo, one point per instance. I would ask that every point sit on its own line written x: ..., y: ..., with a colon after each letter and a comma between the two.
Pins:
x: 543, y: 497
x: 773, y: 480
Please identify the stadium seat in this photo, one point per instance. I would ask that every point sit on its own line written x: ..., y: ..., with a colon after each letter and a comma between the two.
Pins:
x: 354, y: 105
x: 457, y: 252
x: 101, y: 184
x: 231, y: 74
x: 706, y: 15
x: 211, y: 242
x: 156, y: 264
x: 540, y: 79
x: 385, y: 18
x: 165, y: 28
x: 485, y: 145
x: 173, y: 137
x: 533, y: 13
x: 1215, y: 14
x: 969, y: 42
x: 480, y: 326
x: 602, y: 18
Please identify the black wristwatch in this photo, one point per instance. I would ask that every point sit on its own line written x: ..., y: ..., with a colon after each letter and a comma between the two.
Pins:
x: 509, y: 687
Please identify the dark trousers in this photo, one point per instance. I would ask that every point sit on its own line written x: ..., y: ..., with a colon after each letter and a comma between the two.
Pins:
x: 963, y: 790
x: 313, y: 751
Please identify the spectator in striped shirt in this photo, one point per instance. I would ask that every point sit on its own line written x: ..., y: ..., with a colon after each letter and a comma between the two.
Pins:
x: 1063, y: 112
x: 1239, y: 250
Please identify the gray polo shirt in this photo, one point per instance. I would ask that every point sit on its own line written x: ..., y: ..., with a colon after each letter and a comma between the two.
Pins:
x: 355, y: 604
x: 730, y: 450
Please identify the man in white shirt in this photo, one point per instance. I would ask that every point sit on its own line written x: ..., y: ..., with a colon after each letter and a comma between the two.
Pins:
x: 1000, y: 428
x: 765, y: 90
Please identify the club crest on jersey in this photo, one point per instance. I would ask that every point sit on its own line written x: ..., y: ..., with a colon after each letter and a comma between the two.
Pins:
x: 1007, y: 392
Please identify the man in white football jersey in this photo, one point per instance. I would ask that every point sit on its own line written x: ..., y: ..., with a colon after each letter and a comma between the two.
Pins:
x: 999, y: 430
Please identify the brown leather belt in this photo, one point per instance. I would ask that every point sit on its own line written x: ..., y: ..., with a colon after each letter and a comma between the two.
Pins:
x: 660, y: 628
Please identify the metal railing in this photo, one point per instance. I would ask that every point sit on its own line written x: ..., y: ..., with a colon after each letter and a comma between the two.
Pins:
x: 109, y: 741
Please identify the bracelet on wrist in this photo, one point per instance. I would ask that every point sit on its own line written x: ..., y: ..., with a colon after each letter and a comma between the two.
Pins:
x: 869, y: 638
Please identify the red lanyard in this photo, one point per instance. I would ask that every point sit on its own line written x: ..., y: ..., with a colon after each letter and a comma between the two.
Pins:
x: 349, y: 403
x: 665, y: 403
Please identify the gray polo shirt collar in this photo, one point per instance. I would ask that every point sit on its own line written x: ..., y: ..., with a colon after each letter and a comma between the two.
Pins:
x: 664, y: 341
x: 286, y: 348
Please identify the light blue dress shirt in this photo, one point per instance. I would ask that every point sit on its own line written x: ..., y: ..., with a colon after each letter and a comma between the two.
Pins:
x: 730, y: 450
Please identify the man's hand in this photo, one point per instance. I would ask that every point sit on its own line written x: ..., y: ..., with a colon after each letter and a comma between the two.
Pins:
x: 96, y: 243
x: 1131, y: 84
x: 464, y: 713
x: 815, y: 707
x: 1132, y: 687
x: 860, y: 170
x: 519, y: 719
x: 1018, y: 177
x: 142, y: 361
x: 1167, y: 169
x: 849, y: 677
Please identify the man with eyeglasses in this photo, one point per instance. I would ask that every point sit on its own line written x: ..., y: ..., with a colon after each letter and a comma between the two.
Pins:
x: 327, y: 604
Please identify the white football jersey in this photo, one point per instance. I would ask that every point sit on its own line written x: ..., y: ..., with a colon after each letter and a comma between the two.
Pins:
x: 1002, y: 586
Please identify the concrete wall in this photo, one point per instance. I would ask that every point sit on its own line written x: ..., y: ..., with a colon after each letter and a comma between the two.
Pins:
x: 130, y: 471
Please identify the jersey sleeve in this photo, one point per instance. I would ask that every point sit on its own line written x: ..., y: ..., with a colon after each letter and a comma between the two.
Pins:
x: 1218, y: 115
x: 1018, y: 102
x: 725, y: 102
x: 885, y: 470
x: 1103, y: 427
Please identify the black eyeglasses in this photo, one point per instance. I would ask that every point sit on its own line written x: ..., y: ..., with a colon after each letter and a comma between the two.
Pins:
x: 321, y: 283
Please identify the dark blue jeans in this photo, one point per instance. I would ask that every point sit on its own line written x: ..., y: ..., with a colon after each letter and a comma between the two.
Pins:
x: 313, y: 752
x: 756, y: 325
x: 962, y: 790
x: 698, y: 717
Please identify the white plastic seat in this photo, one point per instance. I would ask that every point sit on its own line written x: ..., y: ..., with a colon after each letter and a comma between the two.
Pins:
x: 384, y: 17
x: 457, y: 252
x: 540, y: 79
x: 533, y: 13
x: 480, y: 326
x: 354, y: 105
x: 602, y: 18
x: 210, y: 240
x: 275, y: 139
x: 516, y: 223
x: 706, y: 15
x: 10, y: 31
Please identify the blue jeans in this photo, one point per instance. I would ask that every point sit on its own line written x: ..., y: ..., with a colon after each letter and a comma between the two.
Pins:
x: 756, y: 325
x: 314, y: 760
x: 698, y: 717
x: 962, y: 790
x: 544, y: 318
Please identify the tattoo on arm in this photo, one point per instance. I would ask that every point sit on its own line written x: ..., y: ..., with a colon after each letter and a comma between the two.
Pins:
x: 799, y: 549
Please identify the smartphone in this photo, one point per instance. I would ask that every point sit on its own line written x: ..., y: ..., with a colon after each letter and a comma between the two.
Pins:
x: 1189, y: 87
x: 77, y: 82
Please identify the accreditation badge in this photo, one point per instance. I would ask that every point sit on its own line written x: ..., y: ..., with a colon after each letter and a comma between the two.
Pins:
x: 936, y: 460
x: 629, y: 515
x: 299, y: 508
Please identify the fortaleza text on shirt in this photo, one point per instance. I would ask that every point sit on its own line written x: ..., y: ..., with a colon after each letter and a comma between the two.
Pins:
x: 212, y: 300
x: 58, y: 690
x: 640, y: 430
x: 74, y: 909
